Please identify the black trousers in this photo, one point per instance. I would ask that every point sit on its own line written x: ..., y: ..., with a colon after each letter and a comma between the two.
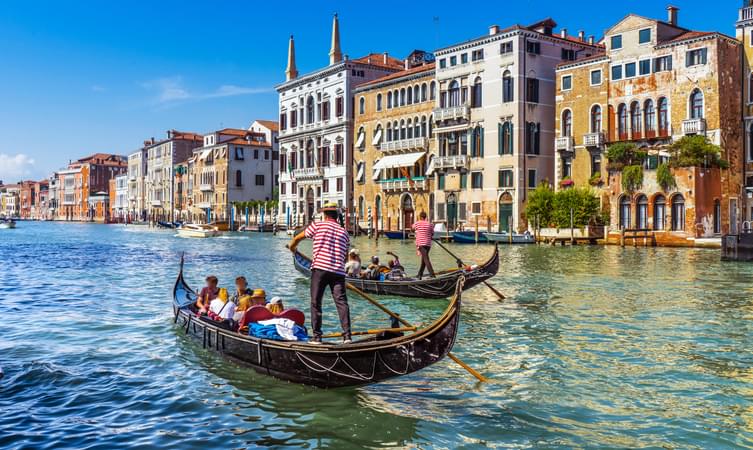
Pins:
x: 320, y: 280
x: 425, y: 262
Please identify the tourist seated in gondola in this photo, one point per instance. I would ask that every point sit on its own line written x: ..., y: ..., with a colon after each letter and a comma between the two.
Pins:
x: 244, y: 303
x: 372, y: 270
x: 241, y: 289
x: 275, y: 305
x: 353, y: 266
x: 207, y: 294
x: 258, y: 297
x: 221, y: 308
x: 396, y: 271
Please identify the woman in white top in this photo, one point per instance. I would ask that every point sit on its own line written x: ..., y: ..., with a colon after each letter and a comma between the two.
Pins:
x: 221, y: 306
x: 353, y: 266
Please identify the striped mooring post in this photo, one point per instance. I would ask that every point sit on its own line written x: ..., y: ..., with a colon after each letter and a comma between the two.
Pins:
x: 371, y: 223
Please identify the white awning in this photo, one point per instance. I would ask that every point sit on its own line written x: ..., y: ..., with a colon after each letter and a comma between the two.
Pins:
x: 361, y: 168
x: 204, y: 154
x: 377, y: 138
x: 392, y: 161
x: 361, y: 138
x: 430, y: 167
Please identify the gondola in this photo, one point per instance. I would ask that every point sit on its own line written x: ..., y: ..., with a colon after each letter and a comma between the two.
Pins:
x: 468, y: 237
x: 442, y: 286
x: 366, y: 361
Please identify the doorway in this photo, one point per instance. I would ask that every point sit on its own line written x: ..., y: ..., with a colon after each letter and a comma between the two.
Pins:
x: 452, y: 211
x: 309, y: 205
x: 407, y: 207
x: 505, y: 212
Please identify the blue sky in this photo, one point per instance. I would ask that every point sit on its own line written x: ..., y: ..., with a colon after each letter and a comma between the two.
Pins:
x: 80, y: 77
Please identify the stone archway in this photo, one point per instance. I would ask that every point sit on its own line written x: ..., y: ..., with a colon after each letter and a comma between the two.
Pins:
x: 505, y: 212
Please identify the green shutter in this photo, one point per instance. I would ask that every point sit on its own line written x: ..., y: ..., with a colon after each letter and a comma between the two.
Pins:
x: 481, y: 142
x: 500, y: 135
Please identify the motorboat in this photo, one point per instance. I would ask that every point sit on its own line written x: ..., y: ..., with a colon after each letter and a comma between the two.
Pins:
x: 195, y: 230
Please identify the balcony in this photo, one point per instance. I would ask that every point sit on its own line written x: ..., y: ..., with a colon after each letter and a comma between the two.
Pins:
x: 693, y: 126
x: 564, y: 143
x: 746, y: 13
x: 203, y: 205
x: 308, y: 173
x: 206, y: 187
x: 450, y: 162
x: 593, y: 139
x: 419, y: 143
x: 452, y: 113
x: 403, y: 185
x: 156, y: 203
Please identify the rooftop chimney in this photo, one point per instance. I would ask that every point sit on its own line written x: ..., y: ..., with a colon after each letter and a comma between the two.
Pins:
x: 672, y: 15
x: 494, y: 29
x: 386, y: 58
x: 591, y: 39
x: 582, y: 35
x: 406, y: 64
x: 563, y: 33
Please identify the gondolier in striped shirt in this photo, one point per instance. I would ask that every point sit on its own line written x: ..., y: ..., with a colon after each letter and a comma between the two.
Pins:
x: 424, y: 231
x: 330, y: 248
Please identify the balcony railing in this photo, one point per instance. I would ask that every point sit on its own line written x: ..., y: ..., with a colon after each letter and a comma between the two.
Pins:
x: 452, y: 112
x: 308, y: 173
x: 156, y: 203
x: 403, y: 185
x: 564, y: 143
x: 746, y: 13
x: 419, y: 143
x: 206, y: 186
x: 450, y: 162
x: 203, y: 205
x: 593, y: 139
x: 694, y: 126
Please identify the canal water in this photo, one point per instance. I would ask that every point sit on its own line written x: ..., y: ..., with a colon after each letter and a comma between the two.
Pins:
x: 594, y: 347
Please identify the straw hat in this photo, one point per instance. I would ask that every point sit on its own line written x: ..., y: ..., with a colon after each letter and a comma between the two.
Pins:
x: 259, y: 293
x: 329, y: 206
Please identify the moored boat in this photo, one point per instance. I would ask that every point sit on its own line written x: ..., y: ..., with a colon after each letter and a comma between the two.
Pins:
x: 197, y: 230
x: 398, y: 234
x: 510, y: 238
x: 440, y: 287
x: 468, y: 237
x: 7, y: 224
x: 365, y: 361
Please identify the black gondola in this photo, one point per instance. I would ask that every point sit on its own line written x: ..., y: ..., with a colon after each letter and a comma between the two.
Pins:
x: 363, y: 362
x: 442, y: 286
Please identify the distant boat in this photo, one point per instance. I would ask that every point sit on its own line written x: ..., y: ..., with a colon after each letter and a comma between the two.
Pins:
x: 504, y: 238
x: 197, y: 230
x: 398, y: 234
x: 468, y: 237
x: 7, y: 224
x: 164, y: 224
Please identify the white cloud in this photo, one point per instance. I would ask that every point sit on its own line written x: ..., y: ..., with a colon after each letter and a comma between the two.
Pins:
x: 15, y: 167
x: 170, y: 90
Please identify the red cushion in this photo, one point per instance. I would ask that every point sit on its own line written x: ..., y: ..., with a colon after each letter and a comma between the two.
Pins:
x: 259, y: 313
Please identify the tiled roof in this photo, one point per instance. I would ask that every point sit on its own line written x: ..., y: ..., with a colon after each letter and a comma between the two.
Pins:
x: 687, y: 35
x: 182, y: 135
x: 103, y: 158
x: 402, y: 73
x: 240, y: 141
x: 377, y: 59
x: 233, y: 131
x: 271, y: 124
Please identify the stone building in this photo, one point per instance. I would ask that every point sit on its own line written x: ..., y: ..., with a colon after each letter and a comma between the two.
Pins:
x: 316, y: 129
x: 656, y: 83
x: 494, y: 121
x: 745, y: 36
x: 83, y: 179
x: 393, y: 136
x: 137, y: 208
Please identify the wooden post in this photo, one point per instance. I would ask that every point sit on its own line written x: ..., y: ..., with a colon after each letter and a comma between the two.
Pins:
x: 476, y: 233
x: 622, y: 237
x: 509, y: 232
x: 488, y: 224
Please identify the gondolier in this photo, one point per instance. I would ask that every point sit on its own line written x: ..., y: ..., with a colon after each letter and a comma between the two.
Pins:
x: 330, y: 247
x: 424, y: 231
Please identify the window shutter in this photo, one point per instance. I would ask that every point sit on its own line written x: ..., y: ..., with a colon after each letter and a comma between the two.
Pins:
x: 481, y: 142
x: 473, y: 142
x: 500, y: 139
x: 703, y: 55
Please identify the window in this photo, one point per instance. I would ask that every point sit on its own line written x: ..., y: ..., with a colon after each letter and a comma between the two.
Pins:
x: 625, y: 212
x: 339, y: 185
x: 622, y: 122
x: 361, y: 172
x: 508, y: 85
x: 477, y: 55
x: 568, y: 54
x: 477, y: 180
x: 505, y: 48
x: 453, y: 60
x: 750, y: 145
x: 616, y: 42
x: 310, y: 110
x: 649, y: 114
x: 567, y: 82
x: 266, y: 155
x: 256, y: 153
x: 442, y: 63
x: 432, y: 91
x: 532, y: 178
x: 476, y: 93
x: 678, y: 212
x: 463, y: 180
x: 325, y: 185
x: 338, y: 155
x: 505, y: 178
x: 644, y: 36
x: 238, y: 178
x: 616, y: 72
x: 453, y: 94
x: 533, y: 47
x: 595, y: 77
x: 596, y: 119
x: 750, y: 88
x: 660, y: 212
x: 567, y: 123
x: 339, y: 111
x: 532, y: 90
x: 642, y: 212
x: 533, y: 138
x: 361, y: 105
x: 293, y: 119
x: 440, y: 181
x: 239, y: 153
x: 696, y: 104
x: 424, y: 95
x: 325, y: 110
x: 283, y: 190
x: 389, y: 100
x: 663, y: 116
x: 595, y: 163
x: 379, y: 102
x: 283, y: 121
x: 567, y: 167
x: 635, y: 119
x: 695, y: 57
x: 464, y: 58
x: 260, y: 180
x: 477, y: 142
x: 505, y: 138
x: 644, y: 67
x: 663, y: 63
x: 629, y: 70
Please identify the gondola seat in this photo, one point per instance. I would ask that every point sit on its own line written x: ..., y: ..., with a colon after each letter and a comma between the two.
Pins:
x: 259, y: 313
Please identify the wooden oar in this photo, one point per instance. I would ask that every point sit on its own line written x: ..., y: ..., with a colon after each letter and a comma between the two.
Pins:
x: 375, y: 331
x: 397, y: 317
x: 460, y: 264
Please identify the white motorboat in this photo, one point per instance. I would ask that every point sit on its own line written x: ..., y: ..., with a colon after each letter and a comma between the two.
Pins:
x: 507, y: 238
x: 197, y: 230
x: 7, y: 224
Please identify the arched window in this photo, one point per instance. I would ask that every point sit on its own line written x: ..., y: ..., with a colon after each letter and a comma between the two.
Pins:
x: 663, y: 116
x: 635, y: 119
x: 379, y: 102
x: 642, y: 212
x: 377, y: 138
x: 310, y: 109
x: 660, y: 212
x: 389, y: 132
x: 678, y: 212
x: 696, y: 104
x: 416, y: 127
x: 238, y: 178
x: 395, y: 99
x: 416, y: 94
x: 567, y: 123
x: 424, y: 93
x: 310, y: 154
x: 476, y: 95
x: 508, y: 87
x: 649, y: 115
x: 717, y: 217
x: 402, y: 129
x: 432, y: 91
x: 625, y: 212
x: 622, y: 122
x: 431, y: 120
x: 409, y: 96
x: 423, y: 127
x: 410, y: 129
x: 596, y: 119
x: 402, y: 97
x: 378, y: 207
x: 361, y: 105
x: 505, y: 138
x: 453, y: 94
x: 389, y: 100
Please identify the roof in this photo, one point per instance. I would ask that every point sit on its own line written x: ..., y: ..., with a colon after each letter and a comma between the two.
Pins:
x: 271, y: 124
x: 240, y: 141
x: 584, y: 60
x: 687, y: 35
x: 400, y: 74
x: 233, y: 131
x: 378, y: 59
x: 102, y: 158
x: 182, y: 135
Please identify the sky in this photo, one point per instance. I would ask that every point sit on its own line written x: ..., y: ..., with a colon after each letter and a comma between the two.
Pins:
x: 80, y: 77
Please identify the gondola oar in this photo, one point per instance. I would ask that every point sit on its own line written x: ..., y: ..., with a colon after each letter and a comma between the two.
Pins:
x: 397, y: 317
x: 461, y: 264
x: 367, y: 332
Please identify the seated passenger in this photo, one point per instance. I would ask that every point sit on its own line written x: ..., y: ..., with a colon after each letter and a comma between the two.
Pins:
x: 396, y: 272
x: 241, y: 289
x: 372, y: 271
x: 353, y: 266
x: 275, y: 306
x: 221, y: 308
x: 395, y: 262
x: 258, y: 297
x: 207, y: 294
x: 244, y: 303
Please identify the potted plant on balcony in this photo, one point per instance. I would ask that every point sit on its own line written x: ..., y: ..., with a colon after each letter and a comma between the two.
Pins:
x: 596, y: 179
x: 566, y: 183
x: 696, y: 151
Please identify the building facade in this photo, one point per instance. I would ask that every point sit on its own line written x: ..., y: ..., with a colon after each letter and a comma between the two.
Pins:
x: 744, y: 34
x: 393, y: 137
x: 136, y: 184
x: 83, y: 179
x: 656, y: 83
x: 10, y: 200
x: 119, y: 206
x: 316, y: 129
x: 494, y: 122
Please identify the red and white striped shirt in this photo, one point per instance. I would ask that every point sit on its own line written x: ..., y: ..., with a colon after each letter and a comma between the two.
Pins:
x: 331, y: 243
x: 424, y: 233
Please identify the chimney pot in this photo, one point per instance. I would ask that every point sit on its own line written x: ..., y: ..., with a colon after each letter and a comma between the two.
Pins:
x: 494, y: 29
x: 582, y: 35
x: 386, y: 58
x: 406, y: 64
x: 591, y: 39
x: 672, y: 15
x: 563, y: 33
